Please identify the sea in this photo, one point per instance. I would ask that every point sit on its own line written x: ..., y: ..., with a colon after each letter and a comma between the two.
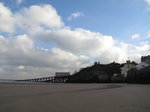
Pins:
x: 7, y: 80
x: 13, y: 81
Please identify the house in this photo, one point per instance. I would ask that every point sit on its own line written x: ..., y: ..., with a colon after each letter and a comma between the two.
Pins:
x: 127, y: 66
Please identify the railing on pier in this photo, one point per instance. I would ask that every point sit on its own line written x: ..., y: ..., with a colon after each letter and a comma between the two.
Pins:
x: 53, y: 79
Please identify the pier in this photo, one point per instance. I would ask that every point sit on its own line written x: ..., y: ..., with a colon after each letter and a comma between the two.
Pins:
x: 52, y: 79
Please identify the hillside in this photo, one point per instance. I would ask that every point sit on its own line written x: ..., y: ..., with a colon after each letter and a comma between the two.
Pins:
x: 96, y: 73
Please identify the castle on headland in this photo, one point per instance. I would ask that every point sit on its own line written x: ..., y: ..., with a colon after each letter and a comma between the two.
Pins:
x: 130, y: 72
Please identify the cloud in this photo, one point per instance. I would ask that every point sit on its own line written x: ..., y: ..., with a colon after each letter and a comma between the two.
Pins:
x: 35, y: 15
x: 75, y: 15
x: 19, y: 55
x: 148, y: 2
x: 135, y: 36
x: 143, y: 48
x: 6, y: 19
x: 78, y: 40
x: 29, y: 17
x: 93, y: 44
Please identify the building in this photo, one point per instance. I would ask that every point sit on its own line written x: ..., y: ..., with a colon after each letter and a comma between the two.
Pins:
x: 62, y: 74
x: 141, y: 65
x: 127, y: 66
x: 61, y: 77
x: 145, y: 59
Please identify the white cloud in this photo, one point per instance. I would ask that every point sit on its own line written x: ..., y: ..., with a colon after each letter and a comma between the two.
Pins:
x: 75, y: 15
x: 29, y: 17
x: 148, y: 2
x: 78, y: 40
x: 6, y: 19
x: 19, y: 56
x: 93, y: 44
x: 43, y: 15
x: 135, y: 36
x: 143, y: 48
x: 144, y: 42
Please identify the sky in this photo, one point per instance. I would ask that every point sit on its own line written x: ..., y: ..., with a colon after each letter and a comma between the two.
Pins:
x: 41, y: 37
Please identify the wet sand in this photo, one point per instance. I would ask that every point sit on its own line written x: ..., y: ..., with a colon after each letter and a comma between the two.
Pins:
x: 74, y: 98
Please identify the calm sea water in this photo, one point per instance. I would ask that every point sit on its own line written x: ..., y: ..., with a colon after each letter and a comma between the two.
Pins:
x: 7, y: 80
x: 13, y: 81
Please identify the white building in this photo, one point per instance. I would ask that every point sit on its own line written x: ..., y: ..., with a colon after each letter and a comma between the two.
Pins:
x: 127, y: 66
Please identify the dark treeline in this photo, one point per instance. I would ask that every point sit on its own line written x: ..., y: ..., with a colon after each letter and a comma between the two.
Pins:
x: 139, y: 76
x: 108, y: 73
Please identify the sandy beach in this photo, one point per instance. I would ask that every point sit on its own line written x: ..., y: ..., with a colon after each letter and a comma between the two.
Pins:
x: 74, y: 97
